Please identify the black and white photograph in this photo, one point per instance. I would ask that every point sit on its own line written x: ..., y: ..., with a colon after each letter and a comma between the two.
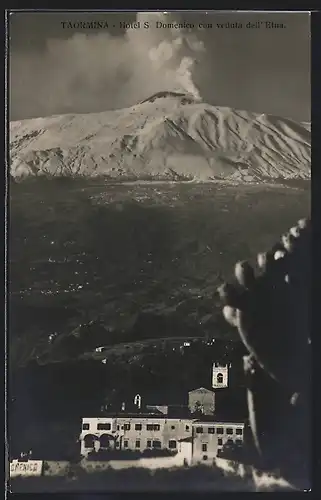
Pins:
x: 158, y: 251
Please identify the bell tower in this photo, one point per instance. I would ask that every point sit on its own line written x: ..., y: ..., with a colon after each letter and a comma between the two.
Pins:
x: 220, y: 375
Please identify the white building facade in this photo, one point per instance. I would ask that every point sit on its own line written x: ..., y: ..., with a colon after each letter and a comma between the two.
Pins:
x: 140, y: 433
x: 210, y: 437
x: 133, y: 433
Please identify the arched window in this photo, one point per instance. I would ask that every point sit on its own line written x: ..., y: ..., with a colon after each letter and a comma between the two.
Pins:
x: 105, y: 441
x: 219, y: 378
x: 89, y: 441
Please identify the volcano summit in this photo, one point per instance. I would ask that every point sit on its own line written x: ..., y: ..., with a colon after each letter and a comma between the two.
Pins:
x: 170, y: 136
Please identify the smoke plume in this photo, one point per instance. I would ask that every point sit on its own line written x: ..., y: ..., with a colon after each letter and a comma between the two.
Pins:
x: 95, y: 72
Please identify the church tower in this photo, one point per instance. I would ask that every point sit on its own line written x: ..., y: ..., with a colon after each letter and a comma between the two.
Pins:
x: 220, y: 375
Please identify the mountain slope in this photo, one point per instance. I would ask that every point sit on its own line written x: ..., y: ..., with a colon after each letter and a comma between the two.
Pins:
x: 168, y: 136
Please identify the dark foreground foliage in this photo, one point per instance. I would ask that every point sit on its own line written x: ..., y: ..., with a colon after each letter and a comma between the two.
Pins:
x: 137, y: 479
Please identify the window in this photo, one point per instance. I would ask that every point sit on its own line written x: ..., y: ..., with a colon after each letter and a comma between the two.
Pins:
x: 220, y: 442
x: 172, y: 444
x: 85, y: 427
x: 157, y: 444
x: 137, y: 443
x: 204, y: 447
x: 238, y: 441
x: 229, y: 441
x: 219, y: 430
x: 125, y: 443
x: 138, y: 427
x: 89, y: 441
x: 118, y: 427
x: 173, y: 427
x: 104, y: 441
x: 187, y: 427
x: 239, y: 432
x: 211, y: 430
x: 126, y: 427
x: 149, y: 443
x: 103, y: 427
x: 229, y: 430
x: 199, y: 430
x: 153, y: 427
x: 219, y: 378
x: 204, y: 457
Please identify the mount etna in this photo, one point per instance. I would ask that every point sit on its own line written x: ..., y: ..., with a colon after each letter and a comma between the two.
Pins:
x: 168, y: 136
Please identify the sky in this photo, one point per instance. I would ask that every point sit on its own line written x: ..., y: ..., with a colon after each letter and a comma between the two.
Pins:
x: 56, y: 69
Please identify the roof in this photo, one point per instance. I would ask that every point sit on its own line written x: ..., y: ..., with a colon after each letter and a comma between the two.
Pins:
x: 149, y: 416
x: 201, y: 389
x: 211, y: 420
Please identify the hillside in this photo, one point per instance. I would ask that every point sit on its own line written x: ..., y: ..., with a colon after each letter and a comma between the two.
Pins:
x: 168, y: 136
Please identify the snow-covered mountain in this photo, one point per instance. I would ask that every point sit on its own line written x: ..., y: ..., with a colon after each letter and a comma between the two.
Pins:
x: 168, y: 136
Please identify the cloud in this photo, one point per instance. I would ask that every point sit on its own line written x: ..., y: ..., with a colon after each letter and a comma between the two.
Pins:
x: 95, y: 72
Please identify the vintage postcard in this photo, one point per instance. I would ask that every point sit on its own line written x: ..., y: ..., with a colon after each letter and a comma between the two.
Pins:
x: 159, y: 202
